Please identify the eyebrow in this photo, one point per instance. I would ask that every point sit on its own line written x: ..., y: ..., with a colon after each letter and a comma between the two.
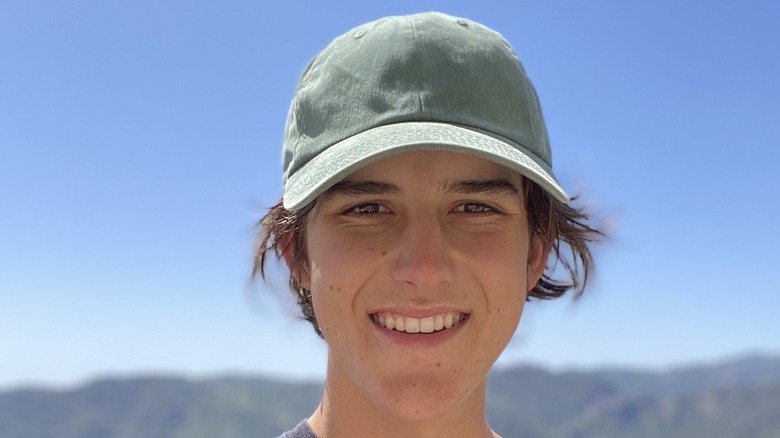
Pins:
x: 492, y: 187
x: 358, y: 188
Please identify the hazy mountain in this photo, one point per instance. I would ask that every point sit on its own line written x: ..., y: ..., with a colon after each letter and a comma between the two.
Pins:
x: 735, y: 399
x: 749, y: 372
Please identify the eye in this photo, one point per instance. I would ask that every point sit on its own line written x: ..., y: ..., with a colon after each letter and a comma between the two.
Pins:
x: 368, y: 208
x: 474, y: 208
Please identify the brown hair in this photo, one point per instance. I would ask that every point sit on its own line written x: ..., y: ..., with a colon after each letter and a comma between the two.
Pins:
x: 556, y: 223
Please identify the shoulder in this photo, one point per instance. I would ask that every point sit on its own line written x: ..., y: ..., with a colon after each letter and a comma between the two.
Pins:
x: 302, y: 430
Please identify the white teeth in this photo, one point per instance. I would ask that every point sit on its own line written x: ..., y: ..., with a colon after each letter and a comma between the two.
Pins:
x: 412, y: 325
x: 448, y: 320
x: 428, y: 324
x: 438, y: 323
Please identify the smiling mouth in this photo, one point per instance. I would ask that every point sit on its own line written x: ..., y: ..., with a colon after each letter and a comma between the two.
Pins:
x: 430, y: 324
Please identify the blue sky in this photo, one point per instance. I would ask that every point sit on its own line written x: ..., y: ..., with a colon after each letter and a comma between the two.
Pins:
x: 140, y: 141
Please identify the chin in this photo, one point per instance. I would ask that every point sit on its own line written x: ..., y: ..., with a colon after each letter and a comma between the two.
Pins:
x: 424, y: 399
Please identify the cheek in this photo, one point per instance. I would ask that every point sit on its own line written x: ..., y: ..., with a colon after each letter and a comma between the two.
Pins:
x: 501, y: 265
x: 331, y: 303
x: 341, y: 259
x: 504, y: 260
x: 330, y: 266
x: 504, y: 311
x: 336, y: 272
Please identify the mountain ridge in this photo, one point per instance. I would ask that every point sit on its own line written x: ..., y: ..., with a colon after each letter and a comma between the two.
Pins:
x: 740, y: 397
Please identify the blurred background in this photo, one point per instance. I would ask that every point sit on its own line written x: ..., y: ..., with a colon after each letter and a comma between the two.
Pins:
x: 140, y: 142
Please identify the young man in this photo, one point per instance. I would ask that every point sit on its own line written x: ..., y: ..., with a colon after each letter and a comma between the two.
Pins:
x: 419, y: 211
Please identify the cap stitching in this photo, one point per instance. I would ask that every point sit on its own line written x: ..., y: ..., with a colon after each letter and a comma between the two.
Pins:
x: 420, y: 108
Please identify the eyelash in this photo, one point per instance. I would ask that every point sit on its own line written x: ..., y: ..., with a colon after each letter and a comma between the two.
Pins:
x: 360, y: 209
x: 377, y: 208
x: 485, y: 209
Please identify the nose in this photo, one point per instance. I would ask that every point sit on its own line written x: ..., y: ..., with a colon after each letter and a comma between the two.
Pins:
x: 425, y: 259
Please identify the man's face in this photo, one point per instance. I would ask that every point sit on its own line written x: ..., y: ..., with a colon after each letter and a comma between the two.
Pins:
x: 419, y: 265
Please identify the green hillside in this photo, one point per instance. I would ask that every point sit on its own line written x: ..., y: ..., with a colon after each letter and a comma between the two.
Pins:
x: 736, y: 399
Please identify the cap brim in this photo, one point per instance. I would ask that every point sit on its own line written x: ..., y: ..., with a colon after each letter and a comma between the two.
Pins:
x: 343, y: 158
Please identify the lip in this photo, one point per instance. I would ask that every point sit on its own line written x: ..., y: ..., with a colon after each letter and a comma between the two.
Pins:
x: 419, y: 340
x: 418, y: 313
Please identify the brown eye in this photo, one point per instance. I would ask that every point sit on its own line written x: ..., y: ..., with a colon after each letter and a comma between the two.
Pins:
x: 474, y: 208
x: 369, y: 208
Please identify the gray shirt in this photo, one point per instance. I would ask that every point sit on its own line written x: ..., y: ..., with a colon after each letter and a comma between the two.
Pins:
x: 302, y: 430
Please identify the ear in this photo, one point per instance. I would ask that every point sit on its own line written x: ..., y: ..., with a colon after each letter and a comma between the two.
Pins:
x: 300, y: 273
x: 537, y: 261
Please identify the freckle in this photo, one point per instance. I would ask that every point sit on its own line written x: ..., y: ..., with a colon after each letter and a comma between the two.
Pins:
x: 331, y: 287
x: 384, y: 252
x: 438, y: 364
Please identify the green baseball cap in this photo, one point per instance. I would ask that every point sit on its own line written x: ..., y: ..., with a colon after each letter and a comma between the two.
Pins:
x: 418, y: 82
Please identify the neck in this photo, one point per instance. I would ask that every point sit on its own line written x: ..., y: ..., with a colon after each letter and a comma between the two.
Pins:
x: 348, y: 409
